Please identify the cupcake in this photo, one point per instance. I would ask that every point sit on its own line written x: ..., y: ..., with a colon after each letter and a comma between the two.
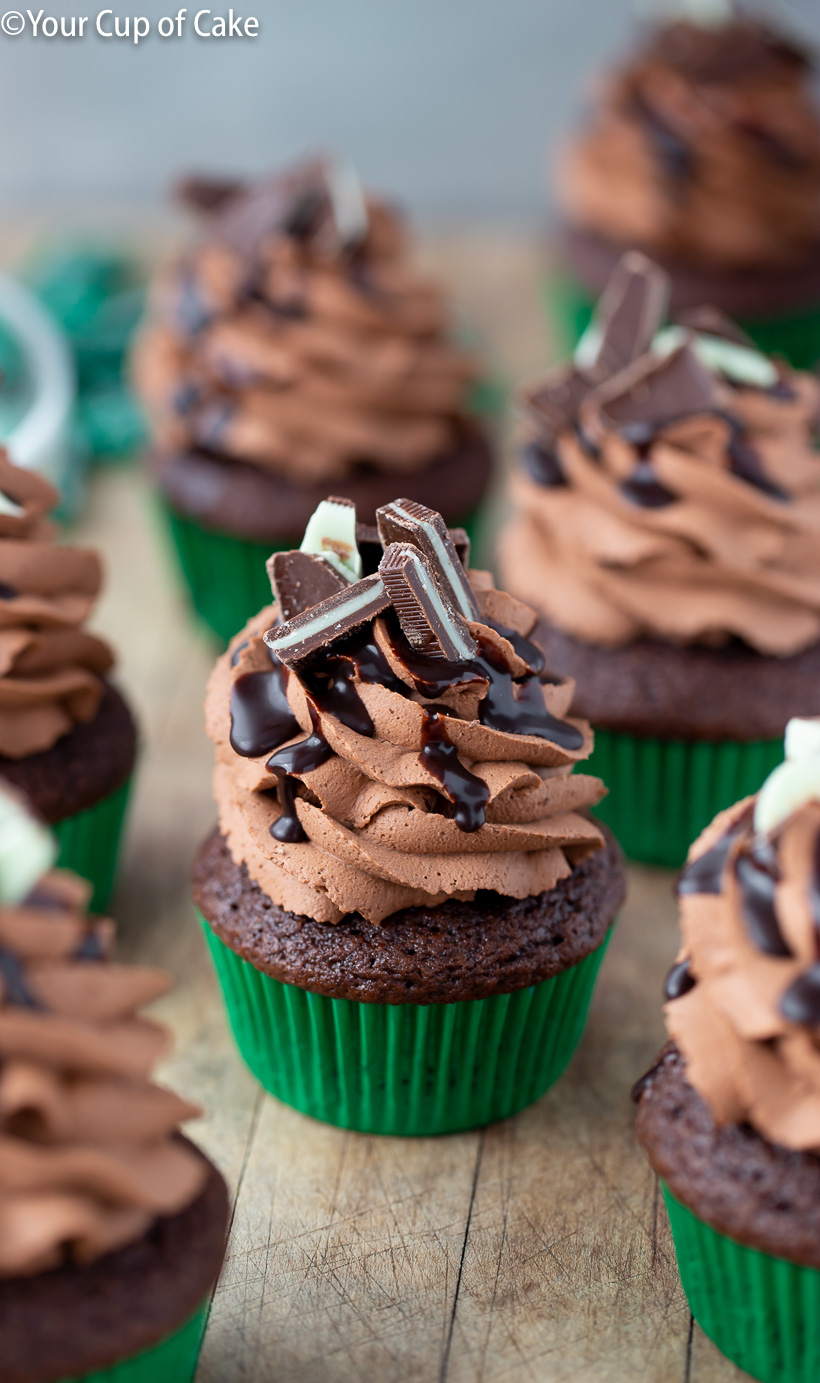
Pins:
x: 405, y: 899
x: 296, y: 351
x: 667, y: 530
x: 67, y: 736
x: 730, y: 1114
x: 703, y: 149
x: 112, y: 1224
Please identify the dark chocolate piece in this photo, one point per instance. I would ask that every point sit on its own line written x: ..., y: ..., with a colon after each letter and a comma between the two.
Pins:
x: 299, y: 581
x: 710, y: 321
x: 468, y: 793
x: 630, y: 312
x: 332, y: 619
x: 429, y: 619
x: 405, y: 521
x: 660, y: 391
x: 554, y: 403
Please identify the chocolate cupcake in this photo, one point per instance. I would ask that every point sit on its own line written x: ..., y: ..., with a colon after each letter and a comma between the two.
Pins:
x: 730, y: 1114
x: 667, y: 530
x: 67, y: 736
x: 703, y: 149
x: 112, y: 1225
x: 297, y: 351
x: 405, y: 899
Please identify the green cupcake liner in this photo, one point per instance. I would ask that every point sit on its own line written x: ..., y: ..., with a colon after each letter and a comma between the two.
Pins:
x: 225, y: 576
x: 796, y: 337
x: 662, y: 793
x: 89, y: 843
x: 408, y: 1069
x: 173, y: 1360
x: 763, y: 1313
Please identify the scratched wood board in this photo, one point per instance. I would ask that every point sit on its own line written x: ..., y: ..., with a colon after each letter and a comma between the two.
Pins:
x: 537, y: 1249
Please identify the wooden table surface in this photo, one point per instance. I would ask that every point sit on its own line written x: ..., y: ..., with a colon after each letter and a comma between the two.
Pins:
x: 537, y: 1249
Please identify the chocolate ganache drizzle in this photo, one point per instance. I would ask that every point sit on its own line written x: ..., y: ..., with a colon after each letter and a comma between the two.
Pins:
x: 404, y: 776
x: 743, y: 998
x: 299, y: 337
x: 681, y: 498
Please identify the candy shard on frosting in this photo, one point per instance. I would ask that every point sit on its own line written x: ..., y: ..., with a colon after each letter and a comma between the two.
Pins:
x: 89, y: 1146
x: 51, y: 668
x: 748, y: 1018
x: 399, y: 776
x: 671, y: 499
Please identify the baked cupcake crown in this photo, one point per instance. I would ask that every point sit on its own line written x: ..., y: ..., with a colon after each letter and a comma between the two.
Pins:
x: 299, y: 337
x: 395, y: 741
x: 89, y: 1153
x: 744, y: 995
x: 51, y: 668
x: 670, y: 484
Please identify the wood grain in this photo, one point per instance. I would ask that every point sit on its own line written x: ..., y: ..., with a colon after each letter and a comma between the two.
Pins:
x: 536, y: 1250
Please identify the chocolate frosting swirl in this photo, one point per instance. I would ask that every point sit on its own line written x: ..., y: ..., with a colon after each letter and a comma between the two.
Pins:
x: 669, y: 500
x: 51, y: 668
x: 88, y: 1152
x: 301, y: 344
x: 404, y: 792
x: 744, y: 996
x: 703, y: 149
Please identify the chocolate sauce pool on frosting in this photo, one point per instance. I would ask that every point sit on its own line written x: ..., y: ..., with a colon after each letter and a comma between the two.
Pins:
x: 757, y: 873
x: 14, y: 988
x: 705, y: 873
x: 261, y: 718
x: 679, y: 981
x: 468, y: 793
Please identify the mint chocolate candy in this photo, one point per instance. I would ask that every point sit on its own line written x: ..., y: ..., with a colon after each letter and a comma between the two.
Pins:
x: 299, y: 581
x: 405, y: 521
x: 428, y: 617
x: 331, y: 619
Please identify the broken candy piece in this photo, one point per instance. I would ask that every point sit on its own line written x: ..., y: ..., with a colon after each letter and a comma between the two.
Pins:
x: 405, y: 521
x: 331, y: 533
x: 427, y: 617
x: 299, y: 581
x: 334, y: 617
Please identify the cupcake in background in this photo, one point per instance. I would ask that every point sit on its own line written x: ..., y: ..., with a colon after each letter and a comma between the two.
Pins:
x: 405, y: 899
x: 296, y: 351
x: 67, y: 737
x: 668, y: 531
x: 702, y: 149
x: 730, y: 1114
x: 112, y: 1225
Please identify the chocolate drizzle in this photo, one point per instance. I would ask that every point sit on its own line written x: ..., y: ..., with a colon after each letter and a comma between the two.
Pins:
x: 530, y: 652
x: 757, y: 874
x: 468, y: 793
x: 14, y: 988
x: 675, y: 157
x: 679, y: 981
x: 643, y: 487
x: 261, y: 718
x: 705, y: 873
x: 542, y: 465
x: 745, y: 461
x: 801, y: 1001
x: 524, y: 714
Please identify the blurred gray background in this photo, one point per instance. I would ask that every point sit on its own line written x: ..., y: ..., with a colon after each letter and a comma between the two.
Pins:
x: 449, y: 105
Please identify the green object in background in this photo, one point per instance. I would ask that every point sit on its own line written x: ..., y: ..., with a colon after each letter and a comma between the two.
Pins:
x: 173, y: 1360
x: 97, y: 297
x: 663, y: 793
x: 763, y: 1313
x: 405, y: 1069
x: 226, y: 579
x: 89, y: 843
x: 795, y: 337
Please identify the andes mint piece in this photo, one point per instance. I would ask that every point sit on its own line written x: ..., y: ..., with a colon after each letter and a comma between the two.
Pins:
x: 405, y: 521
x: 712, y: 322
x: 629, y: 314
x: 428, y: 618
x: 299, y: 581
x: 348, y: 206
x: 555, y: 401
x: 737, y: 361
x: 331, y: 533
x: 369, y: 543
x: 340, y: 614
x: 28, y: 849
x: 659, y: 391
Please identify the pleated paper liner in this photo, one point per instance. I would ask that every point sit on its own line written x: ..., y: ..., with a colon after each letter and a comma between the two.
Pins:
x: 662, y: 793
x: 763, y: 1313
x: 796, y: 337
x: 90, y: 842
x: 173, y: 1360
x: 225, y: 577
x: 409, y: 1069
